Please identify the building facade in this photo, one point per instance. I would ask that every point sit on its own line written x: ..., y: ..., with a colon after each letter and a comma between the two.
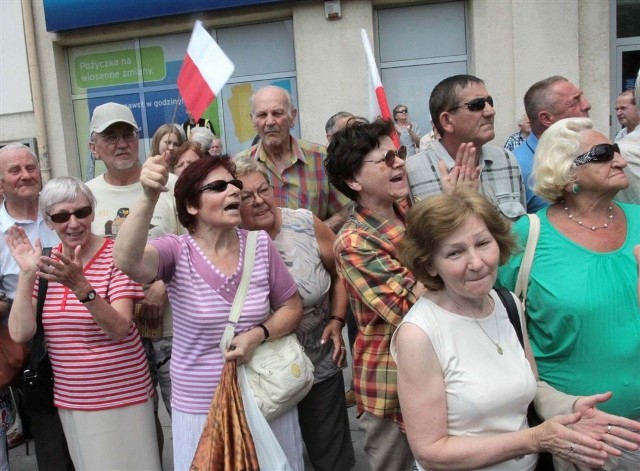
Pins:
x: 57, y: 66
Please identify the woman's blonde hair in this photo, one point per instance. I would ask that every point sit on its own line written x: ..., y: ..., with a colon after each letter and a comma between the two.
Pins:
x: 553, y: 166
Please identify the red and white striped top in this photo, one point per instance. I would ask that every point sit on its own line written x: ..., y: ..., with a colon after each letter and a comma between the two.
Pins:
x: 92, y: 371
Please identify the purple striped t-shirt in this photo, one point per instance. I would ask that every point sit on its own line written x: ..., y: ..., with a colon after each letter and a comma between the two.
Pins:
x: 201, y: 297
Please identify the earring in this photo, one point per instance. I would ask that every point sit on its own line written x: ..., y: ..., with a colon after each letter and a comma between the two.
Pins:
x: 575, y: 189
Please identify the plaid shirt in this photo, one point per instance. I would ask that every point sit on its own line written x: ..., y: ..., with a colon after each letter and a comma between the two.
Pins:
x: 513, y: 141
x: 380, y: 292
x: 500, y: 178
x: 304, y: 183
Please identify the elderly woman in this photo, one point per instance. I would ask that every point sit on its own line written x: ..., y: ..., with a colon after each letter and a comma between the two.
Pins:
x: 408, y: 131
x: 202, y: 270
x: 464, y: 379
x: 165, y: 140
x: 306, y: 246
x: 363, y: 163
x: 102, y: 387
x: 188, y: 153
x: 582, y: 302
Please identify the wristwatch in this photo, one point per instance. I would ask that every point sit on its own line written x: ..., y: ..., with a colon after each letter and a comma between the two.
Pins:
x: 91, y: 295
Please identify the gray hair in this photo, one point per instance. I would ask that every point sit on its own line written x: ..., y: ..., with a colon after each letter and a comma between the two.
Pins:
x: 553, y: 165
x: 63, y: 190
x: 13, y: 146
x: 288, y: 101
x: 202, y: 136
x: 540, y: 97
x: 330, y: 127
x: 245, y: 165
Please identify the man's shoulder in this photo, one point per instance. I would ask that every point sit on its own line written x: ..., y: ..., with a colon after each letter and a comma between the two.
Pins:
x: 250, y: 152
x: 496, y: 153
x: 309, y: 147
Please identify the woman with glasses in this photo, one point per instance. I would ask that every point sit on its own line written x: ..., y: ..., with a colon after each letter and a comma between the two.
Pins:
x: 306, y: 246
x: 202, y: 270
x: 102, y: 387
x: 363, y: 163
x: 582, y: 302
x: 408, y: 131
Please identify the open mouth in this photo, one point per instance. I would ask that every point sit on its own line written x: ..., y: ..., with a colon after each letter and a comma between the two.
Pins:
x: 396, y: 179
x: 232, y: 206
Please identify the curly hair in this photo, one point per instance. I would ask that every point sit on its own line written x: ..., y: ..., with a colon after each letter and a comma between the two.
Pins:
x: 553, y: 166
x: 431, y: 221
x: 348, y: 148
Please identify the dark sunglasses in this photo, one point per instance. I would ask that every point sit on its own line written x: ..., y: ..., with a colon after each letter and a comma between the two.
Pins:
x: 390, y: 156
x: 78, y: 213
x: 598, y: 153
x: 218, y: 186
x: 477, y: 104
x: 401, y: 111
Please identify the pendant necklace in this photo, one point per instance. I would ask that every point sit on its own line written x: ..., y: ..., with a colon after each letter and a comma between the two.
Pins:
x: 495, y: 318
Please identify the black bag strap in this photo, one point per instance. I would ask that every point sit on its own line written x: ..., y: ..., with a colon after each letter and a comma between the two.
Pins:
x: 512, y: 311
x: 38, y: 349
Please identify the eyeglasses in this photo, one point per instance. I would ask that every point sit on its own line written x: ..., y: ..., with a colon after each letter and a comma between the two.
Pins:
x: 598, y: 153
x: 390, y: 156
x: 401, y: 111
x: 249, y: 197
x: 113, y: 138
x: 78, y: 213
x: 477, y: 104
x: 218, y: 186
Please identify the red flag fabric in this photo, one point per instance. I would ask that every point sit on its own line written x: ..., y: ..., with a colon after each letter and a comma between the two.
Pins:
x: 205, y: 70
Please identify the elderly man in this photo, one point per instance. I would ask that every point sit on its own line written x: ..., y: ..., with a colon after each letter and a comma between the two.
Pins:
x: 215, y: 150
x: 627, y: 113
x: 296, y: 167
x: 20, y: 180
x: 518, y: 138
x: 336, y: 122
x: 630, y: 150
x: 114, y: 141
x: 462, y: 112
x: 546, y: 102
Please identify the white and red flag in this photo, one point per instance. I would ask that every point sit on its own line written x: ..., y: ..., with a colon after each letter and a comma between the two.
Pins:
x: 378, y: 106
x: 205, y: 70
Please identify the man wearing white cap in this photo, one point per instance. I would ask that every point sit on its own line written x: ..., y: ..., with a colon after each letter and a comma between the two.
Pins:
x: 114, y: 141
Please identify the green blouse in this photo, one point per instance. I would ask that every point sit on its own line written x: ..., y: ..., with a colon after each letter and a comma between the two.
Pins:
x: 583, y: 314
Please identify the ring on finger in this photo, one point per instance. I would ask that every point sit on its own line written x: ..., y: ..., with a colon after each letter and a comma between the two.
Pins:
x: 572, y: 448
x: 609, y: 428
x: 342, y: 348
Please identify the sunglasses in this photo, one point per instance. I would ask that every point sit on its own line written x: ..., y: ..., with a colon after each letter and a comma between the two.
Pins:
x: 218, y: 186
x: 401, y: 111
x: 390, y: 156
x: 477, y: 104
x: 598, y: 153
x: 78, y: 213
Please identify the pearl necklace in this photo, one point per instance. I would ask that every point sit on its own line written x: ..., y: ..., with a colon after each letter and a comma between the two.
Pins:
x: 580, y: 223
x: 495, y: 318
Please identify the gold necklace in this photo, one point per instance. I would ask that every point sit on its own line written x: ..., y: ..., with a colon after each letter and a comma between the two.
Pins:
x: 495, y: 318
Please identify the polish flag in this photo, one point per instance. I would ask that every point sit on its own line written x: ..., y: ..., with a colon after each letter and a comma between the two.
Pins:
x: 205, y: 70
x: 378, y: 106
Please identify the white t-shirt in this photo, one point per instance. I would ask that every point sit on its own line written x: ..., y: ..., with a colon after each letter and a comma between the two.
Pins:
x: 487, y: 393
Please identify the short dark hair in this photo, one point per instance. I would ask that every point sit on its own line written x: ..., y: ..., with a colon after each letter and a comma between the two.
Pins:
x: 348, y: 148
x: 445, y: 96
x: 539, y: 97
x: 630, y: 92
x: 187, y: 189
x: 431, y: 221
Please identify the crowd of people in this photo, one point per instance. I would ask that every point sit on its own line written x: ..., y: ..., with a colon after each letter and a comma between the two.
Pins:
x: 418, y: 248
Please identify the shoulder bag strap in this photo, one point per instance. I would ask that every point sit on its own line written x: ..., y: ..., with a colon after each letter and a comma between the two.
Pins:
x: 522, y: 282
x: 241, y: 293
x: 38, y: 349
x: 512, y: 311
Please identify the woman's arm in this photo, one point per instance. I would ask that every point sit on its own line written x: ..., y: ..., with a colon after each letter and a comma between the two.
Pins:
x: 22, y: 318
x: 422, y: 396
x: 131, y: 254
x: 284, y: 320
x: 114, y: 319
x: 338, y: 293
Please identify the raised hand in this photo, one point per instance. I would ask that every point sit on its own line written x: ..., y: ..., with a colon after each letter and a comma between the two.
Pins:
x: 66, y: 270
x: 25, y: 254
x: 154, y: 175
x: 466, y: 171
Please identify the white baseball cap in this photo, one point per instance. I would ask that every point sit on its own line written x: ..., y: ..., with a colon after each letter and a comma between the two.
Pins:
x: 111, y: 113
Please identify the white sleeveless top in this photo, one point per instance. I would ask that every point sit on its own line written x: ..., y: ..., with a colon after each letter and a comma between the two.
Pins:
x: 487, y: 393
